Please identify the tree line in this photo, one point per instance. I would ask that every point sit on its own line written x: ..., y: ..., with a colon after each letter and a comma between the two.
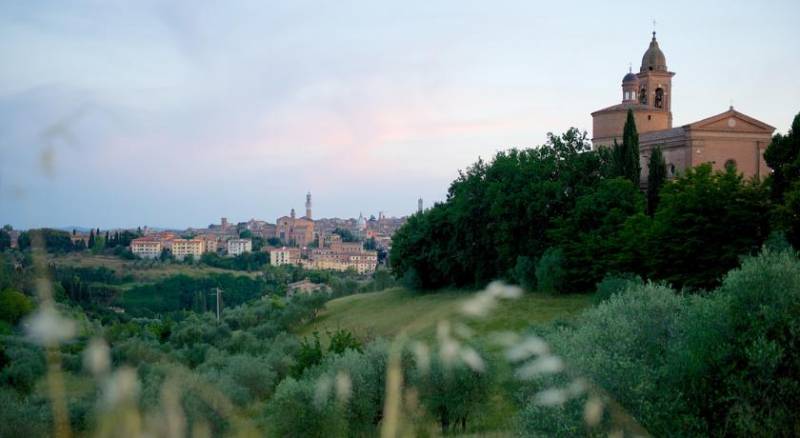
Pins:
x: 560, y: 216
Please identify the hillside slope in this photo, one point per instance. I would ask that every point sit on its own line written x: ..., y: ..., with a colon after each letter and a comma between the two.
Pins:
x: 393, y: 311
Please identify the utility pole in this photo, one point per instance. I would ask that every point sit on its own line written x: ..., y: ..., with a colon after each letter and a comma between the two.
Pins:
x: 219, y: 301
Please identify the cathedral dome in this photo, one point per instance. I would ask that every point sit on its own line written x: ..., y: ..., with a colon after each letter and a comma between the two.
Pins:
x: 654, y: 59
x: 630, y: 77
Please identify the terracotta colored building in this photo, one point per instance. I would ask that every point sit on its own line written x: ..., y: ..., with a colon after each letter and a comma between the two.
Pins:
x: 295, y: 231
x: 728, y: 138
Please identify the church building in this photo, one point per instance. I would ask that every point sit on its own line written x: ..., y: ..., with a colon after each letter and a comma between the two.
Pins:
x: 728, y: 138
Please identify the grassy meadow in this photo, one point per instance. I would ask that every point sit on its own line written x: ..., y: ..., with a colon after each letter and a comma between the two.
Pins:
x: 394, y: 311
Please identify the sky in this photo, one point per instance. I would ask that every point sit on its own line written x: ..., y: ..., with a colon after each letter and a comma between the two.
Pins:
x: 176, y: 113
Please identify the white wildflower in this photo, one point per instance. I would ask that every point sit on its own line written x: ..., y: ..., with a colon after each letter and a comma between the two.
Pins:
x: 551, y: 397
x: 48, y: 327
x: 593, y: 411
x: 478, y: 306
x: 344, y: 387
x: 532, y: 345
x: 473, y: 359
x: 448, y: 350
x: 577, y: 387
x: 423, y: 356
x: 498, y: 289
x: 97, y: 357
x: 121, y: 387
x: 542, y: 365
x: 322, y: 391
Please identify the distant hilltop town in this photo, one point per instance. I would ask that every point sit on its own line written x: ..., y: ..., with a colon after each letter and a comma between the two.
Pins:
x: 329, y: 243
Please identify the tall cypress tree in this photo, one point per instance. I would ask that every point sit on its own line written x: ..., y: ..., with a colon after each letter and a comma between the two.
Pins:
x: 630, y: 150
x: 656, y: 175
x: 91, y: 239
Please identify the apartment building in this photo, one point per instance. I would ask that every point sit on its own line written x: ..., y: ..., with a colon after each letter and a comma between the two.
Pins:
x: 239, y: 246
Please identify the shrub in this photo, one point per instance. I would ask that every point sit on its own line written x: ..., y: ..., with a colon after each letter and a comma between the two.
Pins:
x: 525, y: 273
x: 14, y: 306
x: 740, y: 352
x: 550, y: 270
x: 613, y: 284
x: 451, y: 392
x: 295, y: 410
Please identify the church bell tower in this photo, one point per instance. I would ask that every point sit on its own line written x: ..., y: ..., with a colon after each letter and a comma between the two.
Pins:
x: 655, y: 81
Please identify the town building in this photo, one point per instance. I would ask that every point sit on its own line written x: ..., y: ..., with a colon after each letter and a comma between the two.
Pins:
x: 210, y: 242
x: 727, y: 139
x: 333, y: 254
x: 239, y: 246
x: 305, y: 287
x: 184, y: 247
x: 284, y: 256
x: 147, y: 247
x: 295, y: 231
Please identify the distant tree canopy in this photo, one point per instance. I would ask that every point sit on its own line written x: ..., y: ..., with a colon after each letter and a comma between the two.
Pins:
x: 783, y: 156
x: 14, y: 305
x: 5, y: 240
x: 345, y: 234
x: 53, y: 240
x: 496, y: 212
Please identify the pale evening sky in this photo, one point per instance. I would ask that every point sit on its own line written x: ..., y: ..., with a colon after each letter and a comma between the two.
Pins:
x: 174, y: 113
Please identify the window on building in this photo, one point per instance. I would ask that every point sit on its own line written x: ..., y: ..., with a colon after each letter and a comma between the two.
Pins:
x: 643, y: 96
x: 659, y: 100
x: 730, y: 164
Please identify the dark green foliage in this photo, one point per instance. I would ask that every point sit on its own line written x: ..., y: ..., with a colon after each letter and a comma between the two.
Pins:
x: 525, y: 272
x: 55, y: 241
x: 345, y: 234
x: 722, y: 364
x: 613, y: 284
x: 494, y: 213
x: 24, y: 364
x: 248, y: 261
x: 20, y: 416
x: 182, y: 292
x: 342, y: 340
x: 705, y: 221
x: 783, y: 156
x: 14, y: 305
x: 625, y: 156
x: 451, y: 392
x: 589, y: 234
x: 550, y: 273
x: 295, y: 411
x: 656, y: 177
x: 5, y: 240
x: 310, y: 354
x: 739, y: 354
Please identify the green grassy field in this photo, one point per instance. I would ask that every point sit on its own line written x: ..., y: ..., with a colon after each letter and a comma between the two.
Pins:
x: 142, y: 271
x: 390, y: 312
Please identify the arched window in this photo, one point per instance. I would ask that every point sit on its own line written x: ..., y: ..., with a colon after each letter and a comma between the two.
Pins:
x: 643, y: 96
x: 659, y: 100
x: 671, y: 170
x: 730, y: 164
